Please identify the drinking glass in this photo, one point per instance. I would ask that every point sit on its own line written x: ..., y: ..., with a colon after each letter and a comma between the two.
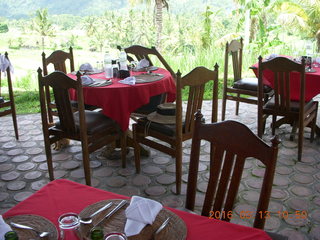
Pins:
x: 69, y: 225
x: 115, y: 236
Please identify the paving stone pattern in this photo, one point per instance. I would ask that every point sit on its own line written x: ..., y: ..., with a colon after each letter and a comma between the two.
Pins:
x: 23, y: 171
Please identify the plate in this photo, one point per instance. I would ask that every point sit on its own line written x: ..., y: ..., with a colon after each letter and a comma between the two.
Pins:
x: 176, y: 228
x: 96, y: 71
x: 146, y: 69
x: 37, y: 222
x: 148, y: 77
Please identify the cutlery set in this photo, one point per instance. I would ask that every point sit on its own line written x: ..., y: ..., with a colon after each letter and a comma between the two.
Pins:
x: 100, y: 83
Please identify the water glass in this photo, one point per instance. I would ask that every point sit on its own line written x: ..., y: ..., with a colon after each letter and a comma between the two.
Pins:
x: 115, y: 236
x: 69, y: 226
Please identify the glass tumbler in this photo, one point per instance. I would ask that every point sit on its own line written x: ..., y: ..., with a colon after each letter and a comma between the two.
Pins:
x: 69, y: 225
x: 115, y: 236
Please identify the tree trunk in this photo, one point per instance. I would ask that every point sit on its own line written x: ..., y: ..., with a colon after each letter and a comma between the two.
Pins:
x: 158, y: 21
x: 318, y: 40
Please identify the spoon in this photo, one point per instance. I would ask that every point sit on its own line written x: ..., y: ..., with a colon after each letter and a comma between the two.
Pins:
x: 88, y: 220
x: 40, y: 234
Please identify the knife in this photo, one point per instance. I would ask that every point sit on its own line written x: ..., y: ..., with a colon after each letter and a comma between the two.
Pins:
x: 120, y: 205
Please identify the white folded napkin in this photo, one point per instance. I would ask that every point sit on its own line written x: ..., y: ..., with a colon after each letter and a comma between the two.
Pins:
x: 4, y: 228
x: 86, y: 67
x: 128, y: 80
x: 5, y: 63
x: 143, y: 63
x: 272, y: 56
x: 86, y: 80
x: 141, y: 211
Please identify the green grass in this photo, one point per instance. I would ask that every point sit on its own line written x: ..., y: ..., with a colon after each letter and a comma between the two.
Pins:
x: 26, y: 101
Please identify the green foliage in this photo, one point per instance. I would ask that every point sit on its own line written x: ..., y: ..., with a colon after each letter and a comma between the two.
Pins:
x: 3, y: 28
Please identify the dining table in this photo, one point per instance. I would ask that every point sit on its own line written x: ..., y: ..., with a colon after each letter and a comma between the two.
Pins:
x: 63, y: 196
x: 119, y: 100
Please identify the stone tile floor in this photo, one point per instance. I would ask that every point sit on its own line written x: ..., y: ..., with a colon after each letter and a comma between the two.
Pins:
x: 23, y: 171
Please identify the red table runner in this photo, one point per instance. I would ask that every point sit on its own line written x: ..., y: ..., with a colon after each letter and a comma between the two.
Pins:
x: 61, y: 196
x: 119, y: 100
x: 312, y: 82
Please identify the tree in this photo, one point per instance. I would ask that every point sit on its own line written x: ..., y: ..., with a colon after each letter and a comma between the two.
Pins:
x: 158, y: 15
x: 42, y: 25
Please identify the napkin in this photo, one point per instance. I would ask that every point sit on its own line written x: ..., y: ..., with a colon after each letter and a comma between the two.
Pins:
x: 128, y: 80
x: 141, y: 211
x: 5, y: 63
x: 143, y: 63
x: 4, y: 228
x: 272, y: 56
x: 86, y: 80
x: 86, y: 67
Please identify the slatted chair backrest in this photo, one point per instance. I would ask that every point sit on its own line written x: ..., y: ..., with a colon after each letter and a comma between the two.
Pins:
x: 58, y: 59
x: 234, y: 48
x: 231, y: 144
x: 60, y: 85
x: 195, y: 81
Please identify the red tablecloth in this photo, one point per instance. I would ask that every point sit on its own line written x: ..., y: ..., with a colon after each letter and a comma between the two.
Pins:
x: 61, y: 196
x: 312, y: 82
x: 118, y: 100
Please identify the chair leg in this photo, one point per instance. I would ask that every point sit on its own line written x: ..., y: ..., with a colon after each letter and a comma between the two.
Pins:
x: 49, y: 158
x: 136, y: 147
x: 15, y: 125
x: 300, y: 140
x: 294, y: 130
x: 86, y: 163
x: 274, y: 119
x: 178, y: 167
x: 123, y: 143
x: 223, y: 113
x: 237, y: 105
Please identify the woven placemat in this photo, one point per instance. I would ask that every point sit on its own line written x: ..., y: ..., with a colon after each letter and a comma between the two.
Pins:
x: 148, y: 77
x: 37, y: 222
x: 145, y: 69
x: 176, y: 228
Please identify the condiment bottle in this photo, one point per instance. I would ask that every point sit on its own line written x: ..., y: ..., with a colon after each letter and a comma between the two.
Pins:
x: 96, y: 233
x: 11, y: 235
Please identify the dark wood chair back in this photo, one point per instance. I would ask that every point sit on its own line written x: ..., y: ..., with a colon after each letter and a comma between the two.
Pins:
x: 195, y: 81
x: 140, y: 52
x: 240, y: 87
x: 298, y: 113
x: 231, y: 144
x: 58, y: 59
x: 8, y: 106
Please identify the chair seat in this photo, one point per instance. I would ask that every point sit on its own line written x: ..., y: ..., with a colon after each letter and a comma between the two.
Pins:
x: 96, y: 122
x: 294, y: 105
x: 166, y: 129
x: 151, y: 106
x: 250, y: 84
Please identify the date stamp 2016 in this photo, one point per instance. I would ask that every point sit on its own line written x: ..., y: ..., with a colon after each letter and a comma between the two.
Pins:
x: 261, y: 214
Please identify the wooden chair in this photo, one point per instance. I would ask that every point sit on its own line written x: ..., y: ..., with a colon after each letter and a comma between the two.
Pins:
x: 241, y: 87
x: 7, y: 106
x: 93, y: 129
x: 231, y: 144
x: 298, y: 113
x: 58, y: 59
x: 140, y: 52
x: 182, y: 130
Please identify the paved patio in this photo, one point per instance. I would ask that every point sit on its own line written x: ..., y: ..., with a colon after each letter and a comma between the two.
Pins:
x: 23, y: 170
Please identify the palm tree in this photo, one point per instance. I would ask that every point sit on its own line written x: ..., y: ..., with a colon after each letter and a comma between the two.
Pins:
x: 158, y: 15
x: 42, y: 25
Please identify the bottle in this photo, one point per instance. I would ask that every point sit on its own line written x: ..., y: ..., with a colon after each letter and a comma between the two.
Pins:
x: 115, y: 69
x: 11, y: 235
x: 108, y: 65
x: 123, y: 60
x: 96, y: 233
